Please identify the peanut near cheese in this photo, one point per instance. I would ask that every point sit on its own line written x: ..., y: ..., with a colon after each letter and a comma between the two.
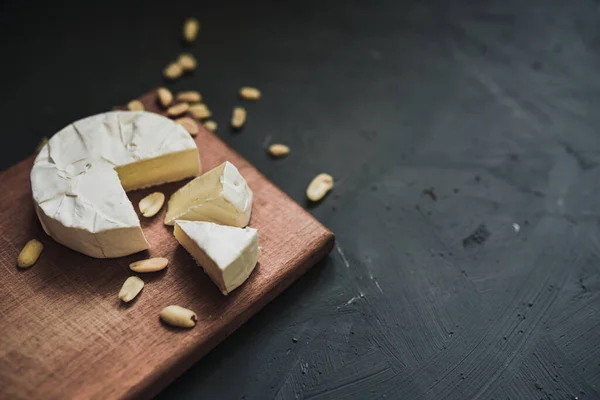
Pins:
x: 178, y: 109
x: 165, y: 97
x: 151, y: 204
x: 149, y: 265
x: 131, y: 288
x: 135, y: 105
x: 30, y: 253
x: 189, y: 124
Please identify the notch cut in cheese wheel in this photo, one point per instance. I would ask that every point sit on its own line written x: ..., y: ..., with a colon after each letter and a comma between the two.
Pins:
x: 228, y: 254
x: 80, y: 176
x: 221, y: 195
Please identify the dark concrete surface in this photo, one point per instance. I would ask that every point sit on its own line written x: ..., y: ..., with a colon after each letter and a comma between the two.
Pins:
x: 464, y: 137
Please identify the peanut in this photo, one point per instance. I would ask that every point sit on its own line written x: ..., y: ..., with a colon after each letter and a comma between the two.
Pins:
x: 200, y: 111
x: 131, y: 288
x: 178, y: 109
x: 279, y: 150
x: 165, y: 97
x: 191, y: 27
x: 238, y: 119
x: 179, y: 317
x: 150, y: 265
x: 319, y: 187
x: 173, y: 71
x: 191, y: 96
x: 151, y: 204
x: 135, y: 105
x: 249, y: 93
x: 210, y: 125
x: 187, y: 62
x: 30, y: 253
x: 189, y: 124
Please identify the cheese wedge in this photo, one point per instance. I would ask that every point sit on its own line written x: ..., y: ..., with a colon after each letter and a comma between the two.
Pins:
x: 227, y: 254
x: 80, y: 176
x: 221, y: 195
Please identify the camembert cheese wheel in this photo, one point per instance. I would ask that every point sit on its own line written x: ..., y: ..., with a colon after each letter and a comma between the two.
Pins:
x: 80, y: 177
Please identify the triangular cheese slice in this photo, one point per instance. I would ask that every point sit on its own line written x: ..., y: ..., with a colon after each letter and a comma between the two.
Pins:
x: 221, y: 195
x: 227, y: 254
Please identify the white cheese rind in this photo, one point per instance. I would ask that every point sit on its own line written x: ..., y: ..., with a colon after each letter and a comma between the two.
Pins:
x: 76, y: 189
x: 221, y: 195
x: 227, y: 254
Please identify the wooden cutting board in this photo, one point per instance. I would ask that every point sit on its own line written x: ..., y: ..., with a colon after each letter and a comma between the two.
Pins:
x: 63, y: 332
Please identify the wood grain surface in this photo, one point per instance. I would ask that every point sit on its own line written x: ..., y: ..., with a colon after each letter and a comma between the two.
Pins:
x: 65, y: 334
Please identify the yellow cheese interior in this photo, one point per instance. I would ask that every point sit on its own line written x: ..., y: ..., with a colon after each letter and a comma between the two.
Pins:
x: 202, y: 189
x: 155, y: 171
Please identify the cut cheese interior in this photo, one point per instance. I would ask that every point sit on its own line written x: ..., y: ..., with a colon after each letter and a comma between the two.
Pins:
x: 227, y: 254
x: 168, y: 168
x: 221, y: 195
x: 80, y: 176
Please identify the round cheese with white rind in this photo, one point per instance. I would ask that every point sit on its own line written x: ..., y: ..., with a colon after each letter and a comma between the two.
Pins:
x: 80, y: 177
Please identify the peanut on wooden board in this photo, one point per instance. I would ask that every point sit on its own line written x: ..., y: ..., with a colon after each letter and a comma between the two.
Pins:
x: 149, y: 265
x: 179, y: 317
x: 190, y: 96
x: 178, y: 109
x: 319, y: 187
x: 135, y: 105
x: 189, y: 124
x: 238, y: 119
x: 151, y: 204
x: 191, y: 27
x: 131, y: 288
x: 165, y: 97
x: 249, y: 93
x: 187, y: 62
x: 279, y: 150
x: 210, y: 125
x: 200, y: 111
x: 30, y: 253
x: 173, y: 71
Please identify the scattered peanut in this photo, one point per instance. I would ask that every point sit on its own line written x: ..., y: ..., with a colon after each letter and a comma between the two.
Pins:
x: 165, y: 97
x: 135, y: 105
x: 249, y: 93
x: 191, y: 27
x: 319, y: 187
x: 238, y: 119
x: 189, y: 124
x: 179, y: 317
x: 178, y: 109
x: 200, y: 111
x: 150, y: 265
x: 173, y: 71
x: 210, y: 125
x: 41, y: 144
x: 279, y: 150
x: 151, y: 204
x: 187, y: 62
x: 131, y: 288
x: 30, y: 253
x: 191, y: 96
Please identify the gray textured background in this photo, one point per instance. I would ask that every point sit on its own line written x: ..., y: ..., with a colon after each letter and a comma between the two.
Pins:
x: 493, y: 104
